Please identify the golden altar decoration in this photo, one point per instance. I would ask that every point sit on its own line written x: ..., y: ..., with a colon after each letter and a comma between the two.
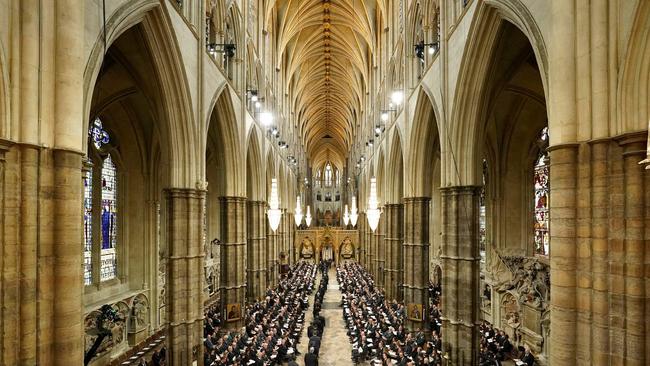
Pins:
x: 341, y: 243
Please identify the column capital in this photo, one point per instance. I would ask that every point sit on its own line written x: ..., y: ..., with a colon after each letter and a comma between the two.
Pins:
x: 416, y: 199
x: 185, y: 193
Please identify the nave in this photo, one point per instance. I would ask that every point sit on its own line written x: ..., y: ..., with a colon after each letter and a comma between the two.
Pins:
x: 173, y: 173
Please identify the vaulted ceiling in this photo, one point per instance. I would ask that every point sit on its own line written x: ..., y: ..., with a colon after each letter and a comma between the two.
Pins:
x: 326, y: 49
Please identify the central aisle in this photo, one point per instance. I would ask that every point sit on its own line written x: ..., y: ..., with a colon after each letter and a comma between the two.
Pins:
x: 335, y: 346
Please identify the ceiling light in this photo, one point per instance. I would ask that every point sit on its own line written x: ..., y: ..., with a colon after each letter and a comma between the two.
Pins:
x: 298, y: 212
x: 373, y: 212
x: 254, y: 98
x: 432, y: 50
x: 397, y: 97
x: 274, y: 213
x: 353, y: 212
x: 378, y: 129
x: 266, y: 118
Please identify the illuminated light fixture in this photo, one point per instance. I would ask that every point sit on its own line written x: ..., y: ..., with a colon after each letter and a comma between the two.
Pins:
x: 308, y: 217
x: 346, y: 216
x: 266, y: 118
x: 363, y: 158
x: 373, y: 212
x: 274, y: 131
x: 397, y: 98
x: 258, y: 105
x: 378, y: 129
x: 354, y: 215
x: 254, y: 98
x: 298, y: 214
x: 384, y: 116
x: 274, y: 213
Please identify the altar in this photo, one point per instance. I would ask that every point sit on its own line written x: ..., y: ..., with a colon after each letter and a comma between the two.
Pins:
x: 326, y: 243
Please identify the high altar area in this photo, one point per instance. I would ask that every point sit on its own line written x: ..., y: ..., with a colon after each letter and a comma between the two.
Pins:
x: 325, y: 243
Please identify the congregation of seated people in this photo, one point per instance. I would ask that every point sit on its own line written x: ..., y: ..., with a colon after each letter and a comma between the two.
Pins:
x: 376, y: 326
x: 273, y: 325
x: 496, y: 347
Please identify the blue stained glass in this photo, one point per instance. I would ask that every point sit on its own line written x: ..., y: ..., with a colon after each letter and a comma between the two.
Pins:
x: 108, y: 220
x: 88, y: 226
x: 97, y: 134
x: 541, y: 204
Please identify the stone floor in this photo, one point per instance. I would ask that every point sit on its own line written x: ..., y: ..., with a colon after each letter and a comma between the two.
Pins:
x: 335, y: 346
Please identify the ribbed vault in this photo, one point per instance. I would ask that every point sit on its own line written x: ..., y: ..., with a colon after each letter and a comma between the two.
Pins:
x: 325, y: 48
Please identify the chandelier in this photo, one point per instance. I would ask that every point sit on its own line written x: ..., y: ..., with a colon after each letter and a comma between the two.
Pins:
x: 346, y: 216
x: 298, y: 214
x: 373, y: 212
x: 274, y: 212
x: 308, y: 217
x: 354, y: 215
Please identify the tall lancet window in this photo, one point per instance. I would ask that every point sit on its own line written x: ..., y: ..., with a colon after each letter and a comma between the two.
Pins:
x: 100, y: 207
x: 482, y: 227
x: 542, y: 194
x: 328, y: 175
x: 109, y: 219
x: 88, y: 225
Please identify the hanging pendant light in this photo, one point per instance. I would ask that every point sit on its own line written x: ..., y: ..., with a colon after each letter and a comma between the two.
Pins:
x: 274, y: 213
x: 308, y: 217
x: 353, y: 212
x: 346, y: 216
x: 298, y: 214
x: 373, y: 211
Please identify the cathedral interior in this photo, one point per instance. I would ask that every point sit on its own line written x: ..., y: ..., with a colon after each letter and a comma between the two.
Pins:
x: 371, y: 182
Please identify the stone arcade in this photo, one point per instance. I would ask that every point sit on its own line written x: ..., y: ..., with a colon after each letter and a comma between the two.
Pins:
x: 477, y: 164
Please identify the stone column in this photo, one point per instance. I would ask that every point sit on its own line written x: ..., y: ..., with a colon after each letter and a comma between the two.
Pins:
x: 394, y: 214
x: 461, y: 269
x: 256, y: 250
x: 563, y: 253
x: 233, y: 257
x: 363, y: 245
x: 373, y: 253
x: 185, y: 274
x: 381, y: 251
x: 67, y: 334
x: 282, y: 237
x: 634, y: 265
x: 416, y: 257
x: 271, y: 254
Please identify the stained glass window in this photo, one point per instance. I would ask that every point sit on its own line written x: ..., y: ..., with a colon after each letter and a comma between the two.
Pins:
x: 328, y: 175
x: 108, y: 219
x: 542, y: 193
x: 100, y: 208
x: 98, y: 136
x: 482, y: 233
x: 88, y: 226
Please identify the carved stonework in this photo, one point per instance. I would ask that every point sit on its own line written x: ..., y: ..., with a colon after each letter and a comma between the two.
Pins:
x: 117, y: 329
x: 529, y: 280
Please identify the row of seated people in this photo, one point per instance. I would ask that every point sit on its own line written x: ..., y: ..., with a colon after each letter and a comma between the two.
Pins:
x: 496, y: 347
x: 273, y: 325
x: 317, y: 326
x: 376, y: 326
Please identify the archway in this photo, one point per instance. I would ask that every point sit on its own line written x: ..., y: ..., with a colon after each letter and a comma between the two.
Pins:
x: 394, y: 218
x: 255, y: 220
x: 422, y: 206
x: 135, y: 151
x: 226, y: 207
